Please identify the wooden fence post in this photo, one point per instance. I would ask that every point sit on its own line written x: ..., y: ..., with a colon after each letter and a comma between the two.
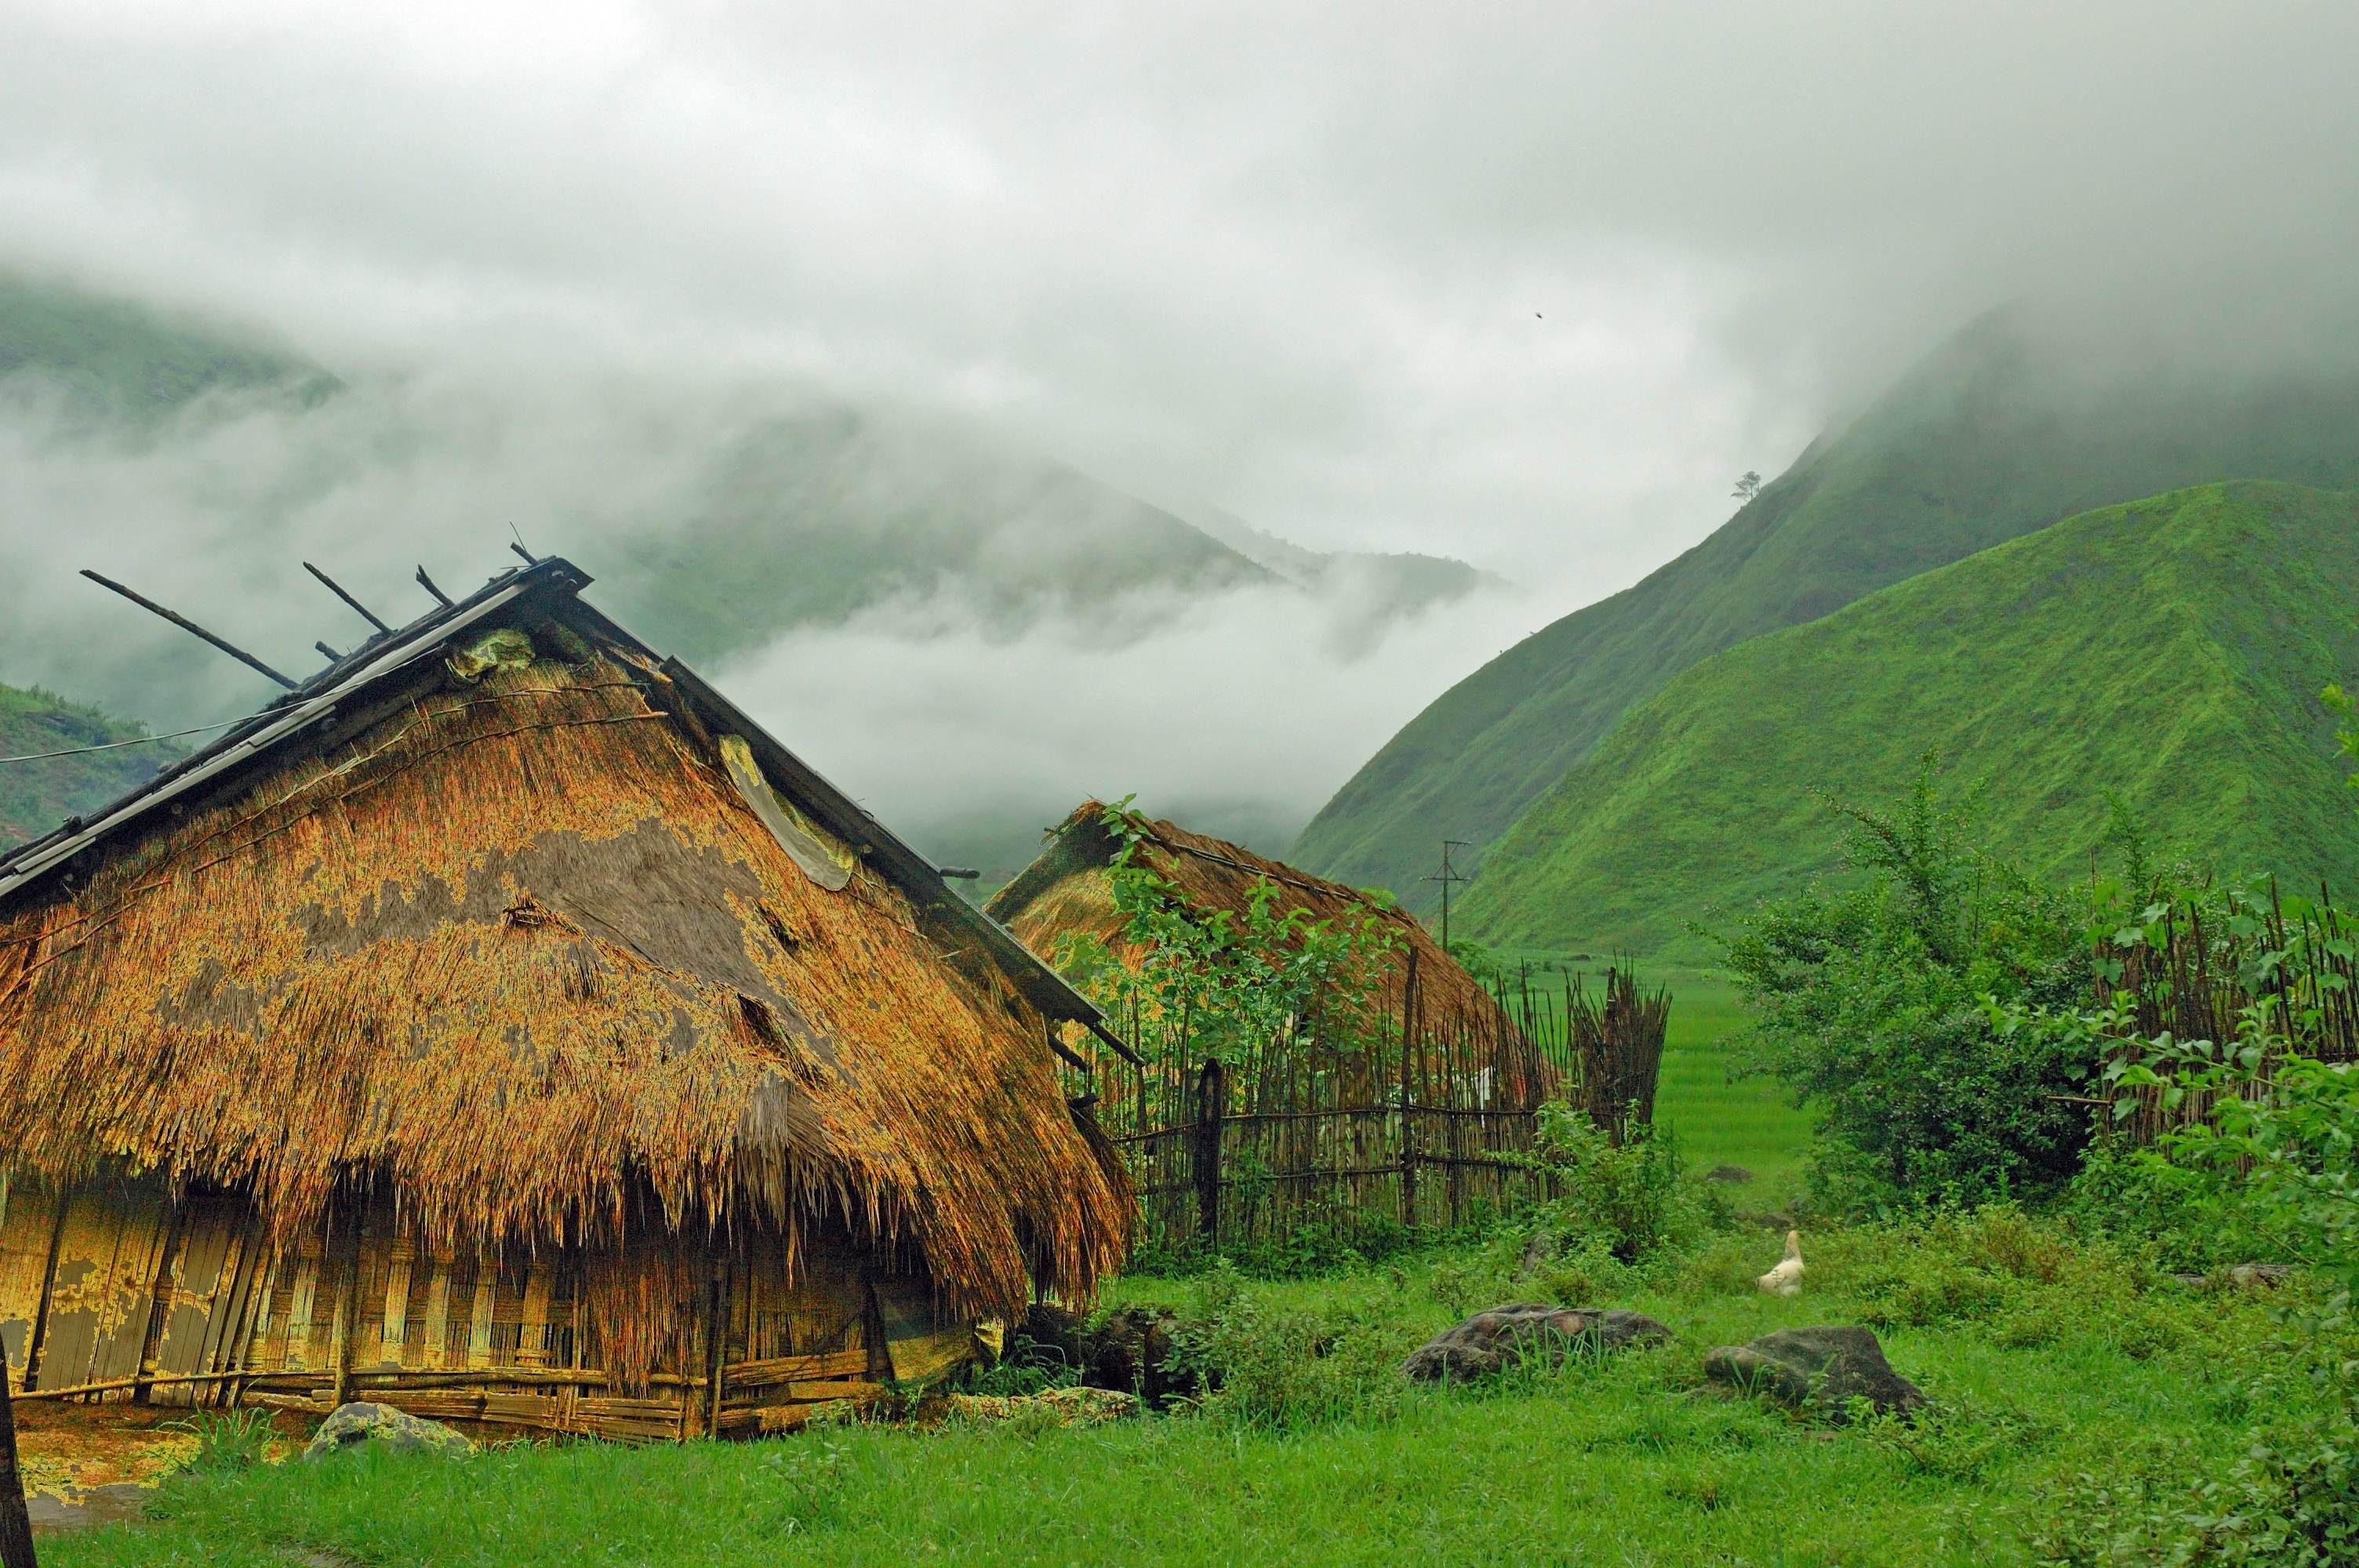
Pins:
x: 1211, y: 1094
x: 1409, y: 1127
x: 15, y: 1524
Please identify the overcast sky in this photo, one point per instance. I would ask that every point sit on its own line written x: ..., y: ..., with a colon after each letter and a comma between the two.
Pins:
x: 1523, y: 284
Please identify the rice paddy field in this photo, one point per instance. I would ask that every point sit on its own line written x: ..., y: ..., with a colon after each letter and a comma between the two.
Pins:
x: 2058, y: 1370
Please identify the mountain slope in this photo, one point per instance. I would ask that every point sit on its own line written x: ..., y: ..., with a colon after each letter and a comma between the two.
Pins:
x: 2172, y: 650
x: 106, y: 357
x: 812, y: 520
x: 2000, y: 432
x: 35, y: 796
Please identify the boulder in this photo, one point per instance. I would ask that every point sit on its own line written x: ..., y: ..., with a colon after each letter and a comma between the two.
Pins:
x: 357, y: 1424
x: 1735, y: 1174
x: 1821, y: 1369
x: 1134, y: 1350
x: 1491, y: 1341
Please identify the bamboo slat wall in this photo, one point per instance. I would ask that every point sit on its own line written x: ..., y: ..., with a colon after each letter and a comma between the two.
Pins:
x: 114, y: 1289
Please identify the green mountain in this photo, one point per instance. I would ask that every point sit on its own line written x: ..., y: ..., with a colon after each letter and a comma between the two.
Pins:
x: 2002, y: 431
x: 111, y: 358
x: 35, y: 796
x: 2172, y: 650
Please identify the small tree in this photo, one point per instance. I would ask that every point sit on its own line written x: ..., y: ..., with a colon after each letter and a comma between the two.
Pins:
x: 1218, y: 982
x: 1748, y: 485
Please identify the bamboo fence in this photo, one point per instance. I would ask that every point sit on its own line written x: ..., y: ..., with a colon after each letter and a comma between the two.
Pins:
x: 1428, y: 1126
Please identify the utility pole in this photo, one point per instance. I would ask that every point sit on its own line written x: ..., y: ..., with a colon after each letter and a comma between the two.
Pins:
x: 1447, y: 875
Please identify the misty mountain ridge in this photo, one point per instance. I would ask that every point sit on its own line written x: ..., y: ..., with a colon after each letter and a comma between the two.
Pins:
x: 92, y: 360
x: 2011, y: 425
x: 741, y: 523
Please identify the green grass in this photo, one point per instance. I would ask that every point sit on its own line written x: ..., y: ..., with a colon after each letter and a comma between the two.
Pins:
x: 2006, y: 428
x: 1616, y: 1463
x: 2169, y: 652
x: 1718, y: 1118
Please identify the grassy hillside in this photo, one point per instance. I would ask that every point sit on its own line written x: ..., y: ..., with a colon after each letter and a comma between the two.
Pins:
x: 119, y: 358
x: 2172, y: 650
x: 1998, y: 434
x: 36, y: 796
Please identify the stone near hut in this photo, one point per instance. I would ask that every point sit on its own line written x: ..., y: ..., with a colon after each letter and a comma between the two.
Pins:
x: 1822, y: 1368
x: 1736, y: 1175
x: 1134, y: 1350
x: 360, y: 1423
x: 1495, y: 1340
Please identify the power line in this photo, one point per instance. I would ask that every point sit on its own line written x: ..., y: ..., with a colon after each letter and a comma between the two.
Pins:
x: 112, y: 745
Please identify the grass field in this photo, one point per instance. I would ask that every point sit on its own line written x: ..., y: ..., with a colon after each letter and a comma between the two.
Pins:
x: 1623, y: 1462
x: 1720, y: 1118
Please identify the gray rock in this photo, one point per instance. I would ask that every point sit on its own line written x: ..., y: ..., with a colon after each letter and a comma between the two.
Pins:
x: 1491, y: 1341
x: 1821, y: 1368
x: 1735, y: 1174
x: 357, y: 1424
x: 2243, y: 1277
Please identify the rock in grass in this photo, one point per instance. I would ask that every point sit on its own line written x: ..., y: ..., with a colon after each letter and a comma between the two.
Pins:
x: 1734, y: 1175
x: 1821, y: 1369
x: 1491, y: 1341
x: 360, y: 1423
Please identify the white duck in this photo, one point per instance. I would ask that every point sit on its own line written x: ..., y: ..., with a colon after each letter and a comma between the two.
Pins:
x: 1785, y: 1279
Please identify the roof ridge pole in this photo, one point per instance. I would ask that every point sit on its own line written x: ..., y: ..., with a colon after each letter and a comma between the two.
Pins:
x: 185, y: 624
x: 335, y: 588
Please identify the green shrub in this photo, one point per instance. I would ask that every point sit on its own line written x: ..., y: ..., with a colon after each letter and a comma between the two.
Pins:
x: 2290, y: 1500
x: 1289, y: 1370
x: 1871, y: 1004
x: 1629, y: 1199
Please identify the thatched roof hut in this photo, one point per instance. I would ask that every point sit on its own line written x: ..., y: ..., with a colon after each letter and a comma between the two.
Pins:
x: 503, y: 1022
x: 1311, y: 1127
x: 1069, y: 887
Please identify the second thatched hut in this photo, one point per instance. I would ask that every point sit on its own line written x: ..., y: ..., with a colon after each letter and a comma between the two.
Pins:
x: 1415, y: 1120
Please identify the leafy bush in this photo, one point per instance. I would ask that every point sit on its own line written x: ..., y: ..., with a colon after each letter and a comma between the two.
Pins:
x: 806, y: 1480
x: 1630, y: 1200
x: 1289, y: 1370
x: 1871, y: 1003
x: 2290, y: 1500
x: 2277, y: 1149
x: 1212, y: 982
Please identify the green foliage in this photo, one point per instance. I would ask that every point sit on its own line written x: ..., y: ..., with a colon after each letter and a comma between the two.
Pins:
x: 1289, y: 1370
x: 1211, y: 983
x: 1874, y: 1003
x: 1997, y: 434
x: 1629, y: 1200
x: 804, y: 1487
x: 226, y: 1440
x: 2276, y: 1150
x: 2164, y: 656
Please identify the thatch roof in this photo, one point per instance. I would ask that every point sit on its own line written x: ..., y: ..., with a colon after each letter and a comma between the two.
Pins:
x: 1069, y: 888
x: 482, y: 915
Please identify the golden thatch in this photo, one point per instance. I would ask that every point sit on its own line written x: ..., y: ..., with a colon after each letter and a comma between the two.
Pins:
x: 501, y: 950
